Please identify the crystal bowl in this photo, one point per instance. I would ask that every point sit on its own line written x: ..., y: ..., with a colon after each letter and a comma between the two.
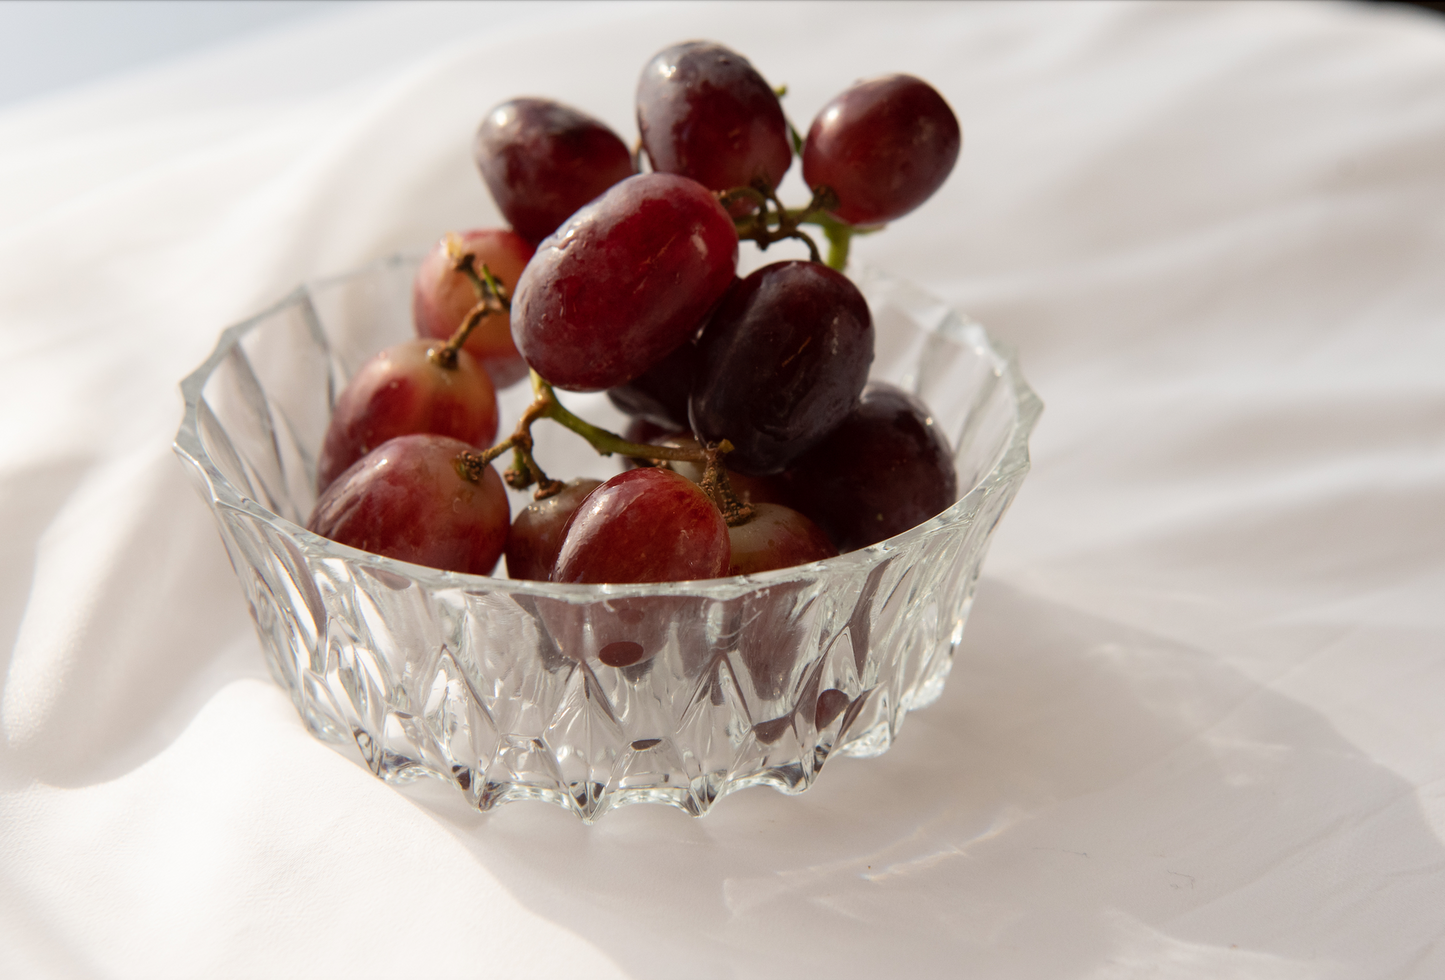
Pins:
x: 495, y: 685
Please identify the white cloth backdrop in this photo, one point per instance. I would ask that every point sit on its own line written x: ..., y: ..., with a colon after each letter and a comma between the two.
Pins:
x: 1195, y: 730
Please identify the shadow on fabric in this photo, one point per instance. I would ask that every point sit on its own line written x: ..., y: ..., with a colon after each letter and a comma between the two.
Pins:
x: 1080, y: 798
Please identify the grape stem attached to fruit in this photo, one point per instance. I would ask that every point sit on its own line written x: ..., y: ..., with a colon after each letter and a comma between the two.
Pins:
x: 628, y: 282
x: 525, y: 471
x: 771, y: 222
x: 491, y: 298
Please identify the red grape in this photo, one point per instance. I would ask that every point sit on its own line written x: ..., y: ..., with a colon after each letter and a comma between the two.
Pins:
x: 543, y: 160
x: 776, y: 537
x: 783, y: 360
x: 770, y: 636
x: 884, y: 146
x: 441, y: 297
x: 622, y: 631
x: 537, y: 531
x: 645, y: 525
x: 403, y: 390
x: 626, y: 281
x: 704, y: 112
x: 409, y: 499
x: 885, y: 469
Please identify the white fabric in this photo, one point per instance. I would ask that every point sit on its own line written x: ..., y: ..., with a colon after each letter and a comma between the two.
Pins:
x: 1196, y: 727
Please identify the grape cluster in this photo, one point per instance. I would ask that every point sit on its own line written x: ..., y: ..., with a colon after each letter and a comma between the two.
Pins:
x: 756, y: 441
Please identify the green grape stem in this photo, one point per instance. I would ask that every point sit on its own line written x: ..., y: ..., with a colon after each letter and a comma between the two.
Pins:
x: 840, y: 237
x: 771, y: 222
x: 525, y: 471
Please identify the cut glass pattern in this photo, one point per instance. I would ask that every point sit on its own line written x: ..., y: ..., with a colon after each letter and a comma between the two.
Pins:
x: 494, y: 685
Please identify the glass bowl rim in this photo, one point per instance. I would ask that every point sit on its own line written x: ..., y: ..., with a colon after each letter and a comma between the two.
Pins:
x: 1010, y: 462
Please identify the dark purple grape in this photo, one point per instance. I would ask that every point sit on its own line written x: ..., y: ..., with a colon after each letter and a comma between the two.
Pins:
x: 401, y: 391
x: 884, y: 146
x: 410, y: 500
x: 783, y: 360
x: 776, y: 537
x: 771, y: 638
x: 659, y: 394
x: 885, y: 469
x: 645, y: 525
x: 536, y: 534
x: 626, y: 281
x: 543, y: 160
x: 704, y: 112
